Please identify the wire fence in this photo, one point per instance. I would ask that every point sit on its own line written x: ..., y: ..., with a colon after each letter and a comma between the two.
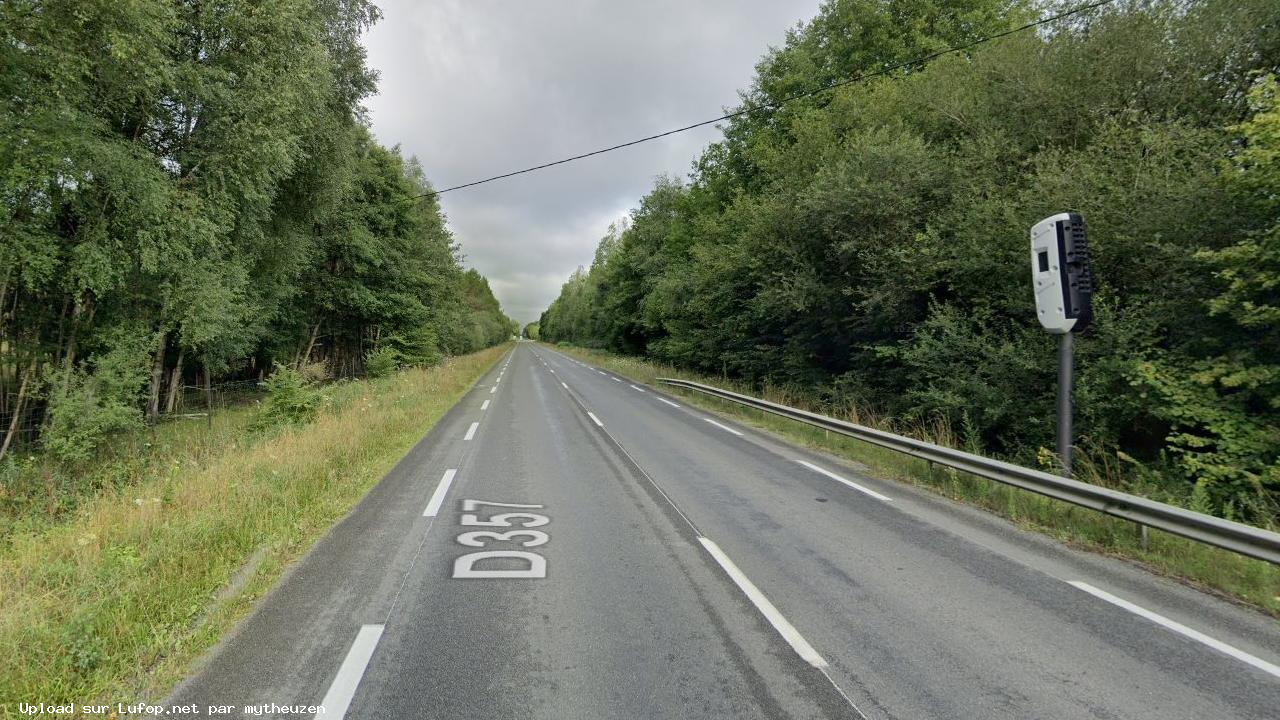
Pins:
x: 198, y: 401
x: 188, y: 403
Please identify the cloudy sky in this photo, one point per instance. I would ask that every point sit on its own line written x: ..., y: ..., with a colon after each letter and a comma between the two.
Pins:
x: 476, y: 88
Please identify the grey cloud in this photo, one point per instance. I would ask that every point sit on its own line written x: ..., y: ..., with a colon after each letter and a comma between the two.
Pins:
x: 480, y: 87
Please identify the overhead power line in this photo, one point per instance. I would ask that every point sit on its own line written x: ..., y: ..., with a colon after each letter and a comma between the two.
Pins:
x: 923, y: 59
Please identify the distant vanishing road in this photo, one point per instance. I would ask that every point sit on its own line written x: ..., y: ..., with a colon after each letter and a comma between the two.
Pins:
x: 565, y: 544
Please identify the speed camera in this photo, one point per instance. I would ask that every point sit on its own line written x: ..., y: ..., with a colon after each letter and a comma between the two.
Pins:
x: 1060, y: 272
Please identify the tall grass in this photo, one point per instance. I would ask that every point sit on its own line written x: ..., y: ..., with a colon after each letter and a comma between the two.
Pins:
x: 36, y: 492
x: 1245, y: 580
x: 114, y: 602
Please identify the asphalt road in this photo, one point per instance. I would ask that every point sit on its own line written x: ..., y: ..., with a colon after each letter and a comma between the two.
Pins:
x: 565, y: 544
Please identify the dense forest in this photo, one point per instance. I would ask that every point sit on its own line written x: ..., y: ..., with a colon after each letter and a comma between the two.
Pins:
x: 191, y: 195
x: 867, y: 246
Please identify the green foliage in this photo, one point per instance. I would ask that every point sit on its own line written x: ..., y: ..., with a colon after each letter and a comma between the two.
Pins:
x: 867, y: 246
x: 382, y: 362
x: 1250, y: 268
x: 86, y: 408
x: 1222, y: 402
x: 1228, y: 452
x: 479, y: 323
x: 85, y: 647
x: 417, y: 347
x: 290, y: 400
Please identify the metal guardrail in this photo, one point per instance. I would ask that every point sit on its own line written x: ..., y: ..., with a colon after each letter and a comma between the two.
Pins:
x: 1234, y: 536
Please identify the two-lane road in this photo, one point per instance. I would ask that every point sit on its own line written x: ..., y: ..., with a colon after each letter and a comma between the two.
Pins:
x: 568, y: 544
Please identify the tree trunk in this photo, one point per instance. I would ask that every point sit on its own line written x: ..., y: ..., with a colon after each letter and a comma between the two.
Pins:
x: 17, y: 409
x: 10, y: 347
x: 175, y: 383
x: 302, y: 360
x: 4, y: 372
x: 157, y: 379
x: 69, y: 358
x: 208, y: 394
x: 62, y: 326
x: 4, y: 293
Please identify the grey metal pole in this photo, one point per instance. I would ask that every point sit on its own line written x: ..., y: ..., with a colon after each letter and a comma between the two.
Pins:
x: 1065, y: 348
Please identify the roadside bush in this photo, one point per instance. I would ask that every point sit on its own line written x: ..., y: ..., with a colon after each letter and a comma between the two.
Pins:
x: 316, y: 371
x: 417, y: 348
x: 86, y: 409
x: 382, y: 362
x: 291, y: 399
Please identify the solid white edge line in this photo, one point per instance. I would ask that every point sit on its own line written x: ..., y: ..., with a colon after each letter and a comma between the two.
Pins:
x: 633, y: 387
x: 566, y: 387
x: 437, y: 497
x: 485, y: 406
x: 722, y: 427
x: 766, y: 608
x: 343, y: 689
x: 850, y: 483
x: 596, y: 419
x: 1179, y: 628
x: 669, y: 402
x: 471, y: 431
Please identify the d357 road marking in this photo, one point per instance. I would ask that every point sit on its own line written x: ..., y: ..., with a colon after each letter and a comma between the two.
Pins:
x: 465, y: 566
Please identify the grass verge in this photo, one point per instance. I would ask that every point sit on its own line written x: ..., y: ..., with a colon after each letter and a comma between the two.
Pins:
x: 114, y: 603
x: 1237, y: 578
x: 37, y: 493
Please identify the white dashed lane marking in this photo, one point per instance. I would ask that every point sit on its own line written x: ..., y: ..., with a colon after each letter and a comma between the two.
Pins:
x: 847, y: 483
x: 1181, y: 629
x: 437, y: 497
x: 338, y: 699
x: 766, y: 608
x: 723, y: 427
